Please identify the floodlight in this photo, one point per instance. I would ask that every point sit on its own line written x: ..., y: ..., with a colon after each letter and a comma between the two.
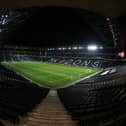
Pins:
x: 6, y: 15
x: 75, y: 48
x: 92, y: 47
x: 69, y: 48
x: 64, y: 48
x: 80, y: 47
x: 108, y: 19
x: 101, y: 47
x: 59, y: 48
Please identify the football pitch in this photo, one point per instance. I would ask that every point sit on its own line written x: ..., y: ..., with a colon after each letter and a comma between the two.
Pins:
x: 50, y: 75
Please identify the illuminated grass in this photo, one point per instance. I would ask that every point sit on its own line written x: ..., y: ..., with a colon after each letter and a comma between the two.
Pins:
x: 50, y: 75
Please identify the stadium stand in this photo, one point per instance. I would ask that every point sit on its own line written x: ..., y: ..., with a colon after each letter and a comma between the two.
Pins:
x: 99, y: 100
x: 6, y: 74
x: 67, y: 57
x: 18, y: 96
x: 95, y: 101
x: 50, y: 112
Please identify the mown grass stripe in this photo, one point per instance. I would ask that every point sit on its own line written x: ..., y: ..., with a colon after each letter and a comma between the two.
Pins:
x: 51, y: 75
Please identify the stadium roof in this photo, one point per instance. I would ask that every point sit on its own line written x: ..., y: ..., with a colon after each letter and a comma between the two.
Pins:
x: 50, y: 25
x: 105, y: 7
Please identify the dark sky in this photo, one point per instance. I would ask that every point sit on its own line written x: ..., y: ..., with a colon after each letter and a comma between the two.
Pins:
x: 53, y: 27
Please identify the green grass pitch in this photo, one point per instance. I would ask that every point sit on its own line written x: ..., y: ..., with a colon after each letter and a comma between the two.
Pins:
x: 50, y: 75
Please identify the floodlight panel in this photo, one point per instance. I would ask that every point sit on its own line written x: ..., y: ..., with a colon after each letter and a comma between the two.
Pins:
x: 92, y: 47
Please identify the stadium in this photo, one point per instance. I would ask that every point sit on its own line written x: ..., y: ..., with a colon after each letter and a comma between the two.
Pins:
x: 62, y: 64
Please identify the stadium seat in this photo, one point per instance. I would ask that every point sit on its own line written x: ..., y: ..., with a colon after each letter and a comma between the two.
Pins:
x: 18, y: 96
x: 96, y: 98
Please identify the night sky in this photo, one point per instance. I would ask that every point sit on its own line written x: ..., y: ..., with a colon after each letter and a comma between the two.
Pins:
x: 53, y: 27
